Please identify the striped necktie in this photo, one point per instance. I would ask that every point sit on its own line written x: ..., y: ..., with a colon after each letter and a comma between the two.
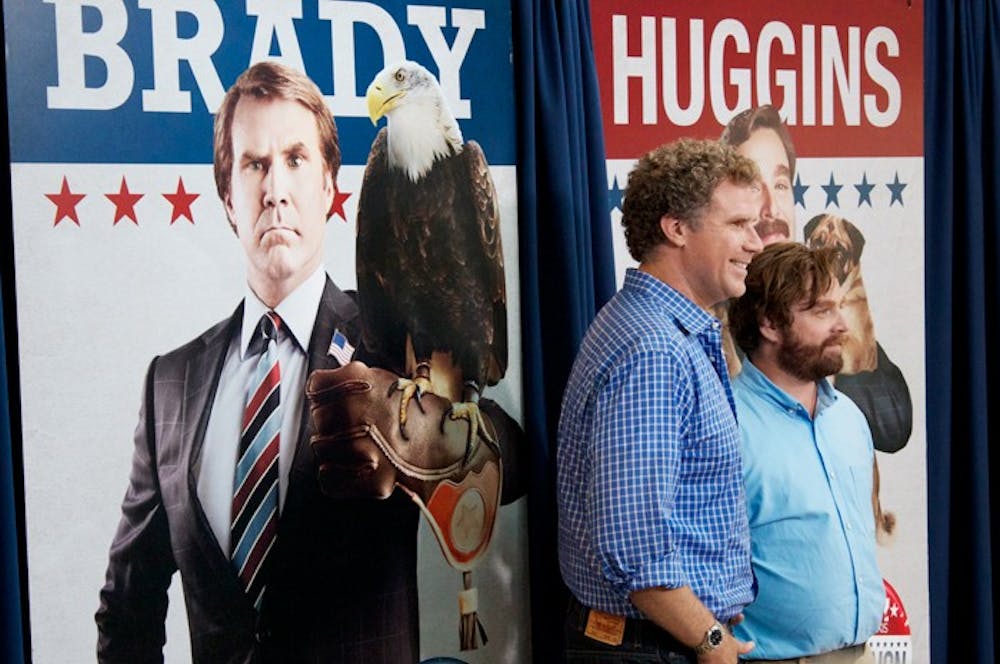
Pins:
x: 255, y: 485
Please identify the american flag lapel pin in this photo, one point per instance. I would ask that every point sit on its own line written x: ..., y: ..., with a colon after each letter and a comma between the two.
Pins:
x: 340, y: 348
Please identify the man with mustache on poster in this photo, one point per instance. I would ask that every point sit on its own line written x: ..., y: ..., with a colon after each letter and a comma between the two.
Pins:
x: 652, y: 515
x: 807, y: 455
x: 881, y: 392
x: 223, y: 485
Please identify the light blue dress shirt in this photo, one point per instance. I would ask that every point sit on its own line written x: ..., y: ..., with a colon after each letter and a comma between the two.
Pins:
x: 222, y: 437
x: 649, y: 475
x: 812, y: 531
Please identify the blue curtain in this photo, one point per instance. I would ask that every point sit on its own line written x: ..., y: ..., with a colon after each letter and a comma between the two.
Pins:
x: 962, y: 157
x: 11, y: 643
x: 10, y: 601
x: 567, y: 264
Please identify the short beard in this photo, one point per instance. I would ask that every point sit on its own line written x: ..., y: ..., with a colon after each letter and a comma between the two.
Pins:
x: 809, y: 361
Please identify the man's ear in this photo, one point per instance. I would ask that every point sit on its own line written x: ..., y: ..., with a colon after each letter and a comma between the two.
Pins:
x: 674, y: 230
x: 770, y: 331
x: 329, y: 191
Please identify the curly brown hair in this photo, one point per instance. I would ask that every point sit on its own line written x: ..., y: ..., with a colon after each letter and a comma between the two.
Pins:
x: 270, y: 80
x: 779, y: 278
x: 677, y: 180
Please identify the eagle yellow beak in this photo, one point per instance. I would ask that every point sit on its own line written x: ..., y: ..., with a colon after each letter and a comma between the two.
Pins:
x: 378, y: 102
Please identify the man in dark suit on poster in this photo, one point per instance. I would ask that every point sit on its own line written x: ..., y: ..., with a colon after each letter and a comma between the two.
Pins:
x: 272, y: 570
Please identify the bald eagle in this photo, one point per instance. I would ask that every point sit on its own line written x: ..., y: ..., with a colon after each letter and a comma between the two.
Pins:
x: 429, y: 257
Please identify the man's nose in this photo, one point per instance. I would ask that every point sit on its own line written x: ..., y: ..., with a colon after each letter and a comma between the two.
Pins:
x: 769, y: 202
x: 275, y: 186
x: 752, y: 242
x: 840, y: 325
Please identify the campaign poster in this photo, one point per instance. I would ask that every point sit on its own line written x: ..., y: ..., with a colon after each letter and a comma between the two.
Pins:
x: 845, y: 79
x: 123, y: 253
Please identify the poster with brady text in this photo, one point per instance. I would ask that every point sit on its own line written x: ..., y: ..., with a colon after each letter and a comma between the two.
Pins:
x: 125, y: 252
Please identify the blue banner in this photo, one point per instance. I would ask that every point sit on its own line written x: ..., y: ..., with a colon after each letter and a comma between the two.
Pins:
x: 109, y: 81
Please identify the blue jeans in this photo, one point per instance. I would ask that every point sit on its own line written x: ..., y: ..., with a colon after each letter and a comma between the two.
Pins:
x: 642, y: 643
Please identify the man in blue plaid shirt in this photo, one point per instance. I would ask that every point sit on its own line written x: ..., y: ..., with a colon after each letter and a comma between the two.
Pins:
x: 653, y: 535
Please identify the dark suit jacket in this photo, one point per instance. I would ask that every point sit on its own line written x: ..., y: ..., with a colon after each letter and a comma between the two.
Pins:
x: 341, y: 579
x: 884, y: 398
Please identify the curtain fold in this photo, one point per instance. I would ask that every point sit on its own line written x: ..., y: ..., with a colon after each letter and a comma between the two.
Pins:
x: 13, y: 630
x: 566, y: 256
x: 962, y: 248
x: 11, y: 649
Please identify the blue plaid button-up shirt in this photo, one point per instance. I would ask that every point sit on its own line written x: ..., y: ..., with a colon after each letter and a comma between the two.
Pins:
x: 649, y: 473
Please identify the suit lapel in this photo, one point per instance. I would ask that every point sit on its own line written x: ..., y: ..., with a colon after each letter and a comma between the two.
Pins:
x: 202, y: 374
x: 337, y: 312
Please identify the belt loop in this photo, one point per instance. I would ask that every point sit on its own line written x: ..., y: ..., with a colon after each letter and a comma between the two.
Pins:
x: 634, y: 632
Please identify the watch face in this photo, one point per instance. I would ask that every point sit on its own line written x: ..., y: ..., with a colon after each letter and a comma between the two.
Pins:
x: 713, y: 639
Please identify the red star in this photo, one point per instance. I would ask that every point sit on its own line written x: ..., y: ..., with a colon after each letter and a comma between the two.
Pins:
x: 65, y: 202
x: 337, y: 207
x: 181, y: 200
x: 124, y: 202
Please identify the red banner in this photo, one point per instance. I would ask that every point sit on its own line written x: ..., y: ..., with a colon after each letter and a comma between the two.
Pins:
x: 840, y: 79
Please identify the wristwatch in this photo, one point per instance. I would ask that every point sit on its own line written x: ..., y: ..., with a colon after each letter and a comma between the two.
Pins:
x: 712, y: 640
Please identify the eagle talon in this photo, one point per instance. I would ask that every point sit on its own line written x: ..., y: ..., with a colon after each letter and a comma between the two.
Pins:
x: 411, y: 389
x: 418, y: 396
x: 469, y: 411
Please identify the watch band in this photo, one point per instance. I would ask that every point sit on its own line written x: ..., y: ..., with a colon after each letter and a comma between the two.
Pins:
x: 713, y: 639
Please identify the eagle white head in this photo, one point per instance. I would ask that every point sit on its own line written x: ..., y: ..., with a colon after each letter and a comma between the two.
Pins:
x: 421, y: 127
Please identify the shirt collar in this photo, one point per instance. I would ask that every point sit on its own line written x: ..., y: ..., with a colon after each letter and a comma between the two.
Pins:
x: 691, y: 318
x: 754, y: 379
x: 297, y: 311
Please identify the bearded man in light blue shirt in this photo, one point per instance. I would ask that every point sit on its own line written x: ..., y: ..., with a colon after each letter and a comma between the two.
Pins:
x: 807, y: 453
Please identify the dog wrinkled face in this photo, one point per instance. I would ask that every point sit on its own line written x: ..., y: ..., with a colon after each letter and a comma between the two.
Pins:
x: 828, y: 230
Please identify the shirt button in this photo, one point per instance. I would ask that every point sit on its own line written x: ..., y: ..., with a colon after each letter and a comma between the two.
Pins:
x: 833, y: 476
x: 848, y: 526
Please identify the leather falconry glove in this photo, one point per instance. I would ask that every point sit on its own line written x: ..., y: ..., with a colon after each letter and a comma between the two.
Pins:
x: 360, y: 452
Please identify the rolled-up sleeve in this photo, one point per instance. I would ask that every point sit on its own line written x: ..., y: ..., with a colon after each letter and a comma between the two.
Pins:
x: 637, y: 445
